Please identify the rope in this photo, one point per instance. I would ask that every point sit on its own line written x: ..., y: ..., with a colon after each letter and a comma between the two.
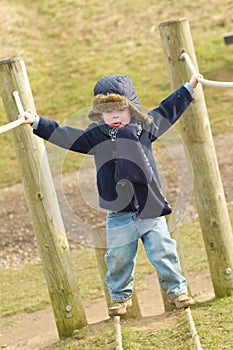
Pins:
x: 193, y: 329
x: 185, y: 57
x: 117, y: 326
x: 191, y: 324
x: 17, y: 122
x: 18, y: 102
x: 11, y: 125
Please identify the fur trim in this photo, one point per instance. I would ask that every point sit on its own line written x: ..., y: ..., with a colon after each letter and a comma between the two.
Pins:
x: 107, y: 103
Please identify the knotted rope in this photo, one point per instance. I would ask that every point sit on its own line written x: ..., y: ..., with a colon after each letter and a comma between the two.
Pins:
x: 117, y: 326
x: 17, y: 122
x: 228, y: 85
x: 193, y: 329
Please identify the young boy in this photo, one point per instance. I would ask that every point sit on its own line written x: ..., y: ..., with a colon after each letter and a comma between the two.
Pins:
x: 120, y: 139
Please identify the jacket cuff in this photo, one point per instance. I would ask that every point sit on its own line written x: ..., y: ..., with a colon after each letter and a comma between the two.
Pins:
x: 189, y: 88
x: 36, y: 122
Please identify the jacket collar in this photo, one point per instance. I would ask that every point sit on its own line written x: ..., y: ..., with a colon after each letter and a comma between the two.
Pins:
x: 112, y: 132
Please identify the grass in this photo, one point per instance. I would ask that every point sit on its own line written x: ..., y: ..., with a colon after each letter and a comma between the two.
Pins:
x: 193, y: 246
x: 219, y: 336
x: 19, y: 287
x: 24, y: 289
x: 68, y: 45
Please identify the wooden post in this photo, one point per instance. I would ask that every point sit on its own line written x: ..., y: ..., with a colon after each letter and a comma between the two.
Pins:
x: 228, y: 38
x: 98, y: 234
x: 43, y: 204
x: 99, y: 240
x: 196, y: 132
x: 174, y: 232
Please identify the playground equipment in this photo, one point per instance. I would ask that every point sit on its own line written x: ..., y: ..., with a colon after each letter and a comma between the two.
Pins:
x: 42, y: 201
x: 117, y: 326
x: 191, y: 324
x: 222, y: 84
x: 228, y: 38
x: 194, y: 334
x: 11, y: 125
x: 54, y: 249
x: 195, y: 130
x: 18, y: 122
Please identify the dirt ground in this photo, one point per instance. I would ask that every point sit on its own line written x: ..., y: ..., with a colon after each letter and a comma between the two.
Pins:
x: 77, y: 198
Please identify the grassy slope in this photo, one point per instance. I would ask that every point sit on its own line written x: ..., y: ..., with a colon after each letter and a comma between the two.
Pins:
x: 212, y: 338
x: 20, y: 284
x: 19, y: 290
x: 68, y: 45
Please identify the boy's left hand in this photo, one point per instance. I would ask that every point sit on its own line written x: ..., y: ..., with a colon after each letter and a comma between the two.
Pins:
x: 194, y: 80
x: 29, y: 118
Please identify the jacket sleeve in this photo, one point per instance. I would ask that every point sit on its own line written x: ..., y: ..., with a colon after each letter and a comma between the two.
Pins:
x: 74, y: 139
x: 169, y: 111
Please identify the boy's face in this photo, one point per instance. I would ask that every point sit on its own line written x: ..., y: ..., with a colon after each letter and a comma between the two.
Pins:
x: 118, y: 118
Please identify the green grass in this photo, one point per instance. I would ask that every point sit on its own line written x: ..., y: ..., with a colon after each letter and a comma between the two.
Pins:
x: 191, y: 239
x: 20, y: 286
x: 24, y: 289
x: 68, y: 45
x: 212, y: 336
x: 193, y: 246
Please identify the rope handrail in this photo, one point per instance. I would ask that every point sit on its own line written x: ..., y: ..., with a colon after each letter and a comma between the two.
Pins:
x: 222, y: 84
x: 16, y: 122
x: 11, y: 125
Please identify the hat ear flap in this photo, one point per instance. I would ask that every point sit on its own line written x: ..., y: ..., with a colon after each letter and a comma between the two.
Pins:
x: 94, y: 116
x: 135, y: 113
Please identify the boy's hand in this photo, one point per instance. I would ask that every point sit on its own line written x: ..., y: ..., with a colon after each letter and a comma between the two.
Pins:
x: 194, y: 80
x: 29, y: 118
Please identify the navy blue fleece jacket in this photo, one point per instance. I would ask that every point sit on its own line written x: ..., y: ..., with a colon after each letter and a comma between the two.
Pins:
x: 113, y: 195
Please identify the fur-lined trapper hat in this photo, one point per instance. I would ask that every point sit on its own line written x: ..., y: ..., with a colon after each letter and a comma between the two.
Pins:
x: 108, y: 103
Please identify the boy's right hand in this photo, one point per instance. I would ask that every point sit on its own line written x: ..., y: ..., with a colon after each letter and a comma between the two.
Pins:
x: 29, y: 118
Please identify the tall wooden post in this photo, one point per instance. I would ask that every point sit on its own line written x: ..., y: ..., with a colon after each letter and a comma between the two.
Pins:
x: 98, y: 234
x: 168, y: 306
x: 43, y: 204
x: 196, y: 132
x: 99, y: 240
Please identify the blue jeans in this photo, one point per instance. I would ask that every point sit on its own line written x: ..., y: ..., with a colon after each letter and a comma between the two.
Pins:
x: 123, y: 231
